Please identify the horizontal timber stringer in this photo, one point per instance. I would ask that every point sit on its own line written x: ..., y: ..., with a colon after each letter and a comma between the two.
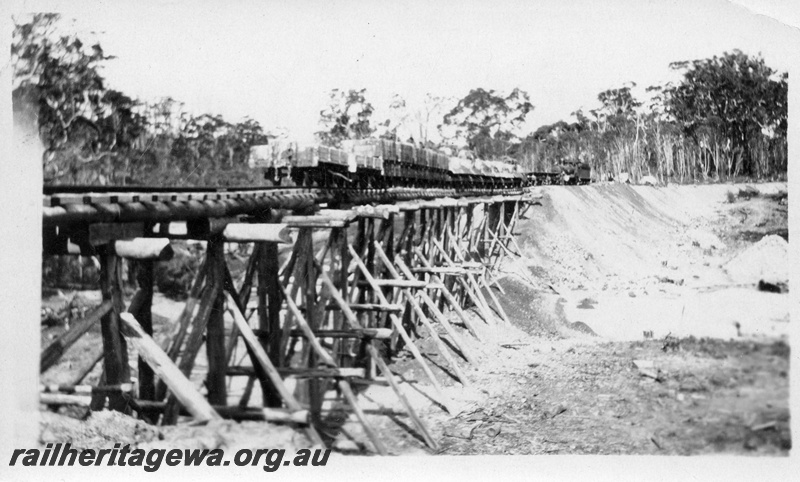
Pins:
x: 331, y: 291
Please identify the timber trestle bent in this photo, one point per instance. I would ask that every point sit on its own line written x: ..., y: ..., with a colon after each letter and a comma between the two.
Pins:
x: 332, y: 288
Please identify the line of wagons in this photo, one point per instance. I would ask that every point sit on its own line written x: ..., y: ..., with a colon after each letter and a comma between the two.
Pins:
x: 381, y: 163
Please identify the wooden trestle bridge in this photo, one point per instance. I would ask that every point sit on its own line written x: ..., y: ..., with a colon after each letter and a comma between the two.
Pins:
x: 368, y: 270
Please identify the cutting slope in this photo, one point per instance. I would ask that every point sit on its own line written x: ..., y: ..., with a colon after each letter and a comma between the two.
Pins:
x: 628, y: 259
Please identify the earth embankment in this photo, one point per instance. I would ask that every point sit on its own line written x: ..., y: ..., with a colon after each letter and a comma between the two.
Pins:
x: 680, y: 260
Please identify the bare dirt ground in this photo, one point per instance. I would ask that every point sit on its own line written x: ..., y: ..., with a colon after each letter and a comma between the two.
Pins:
x: 637, y: 327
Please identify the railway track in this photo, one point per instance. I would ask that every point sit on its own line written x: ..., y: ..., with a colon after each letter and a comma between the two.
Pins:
x: 64, y: 205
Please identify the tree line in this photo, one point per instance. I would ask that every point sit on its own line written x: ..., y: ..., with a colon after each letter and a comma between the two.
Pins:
x: 94, y: 134
x: 725, y: 118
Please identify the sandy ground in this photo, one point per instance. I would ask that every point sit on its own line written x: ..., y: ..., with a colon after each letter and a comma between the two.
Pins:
x: 636, y: 328
x: 679, y: 260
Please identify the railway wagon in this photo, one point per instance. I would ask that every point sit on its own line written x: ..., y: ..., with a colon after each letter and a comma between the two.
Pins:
x: 382, y: 163
x: 368, y: 162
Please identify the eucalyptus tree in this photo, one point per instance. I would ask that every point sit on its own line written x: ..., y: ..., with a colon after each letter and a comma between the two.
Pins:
x: 347, y: 116
x: 734, y: 95
x: 487, y: 122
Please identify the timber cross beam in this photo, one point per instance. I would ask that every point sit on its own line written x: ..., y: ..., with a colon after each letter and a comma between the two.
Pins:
x: 320, y: 301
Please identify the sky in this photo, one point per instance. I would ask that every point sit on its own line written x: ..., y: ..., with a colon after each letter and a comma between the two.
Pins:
x: 276, y: 61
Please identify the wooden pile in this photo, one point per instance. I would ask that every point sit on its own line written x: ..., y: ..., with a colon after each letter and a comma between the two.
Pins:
x: 324, y: 317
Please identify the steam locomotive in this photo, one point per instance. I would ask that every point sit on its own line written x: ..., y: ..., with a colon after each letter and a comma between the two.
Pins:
x: 381, y: 163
